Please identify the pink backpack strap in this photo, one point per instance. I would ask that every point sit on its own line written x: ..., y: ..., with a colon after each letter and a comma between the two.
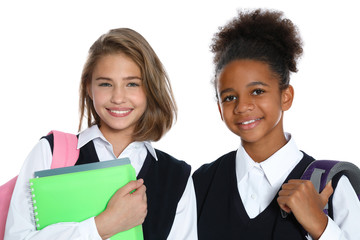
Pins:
x: 6, y: 191
x: 65, y: 152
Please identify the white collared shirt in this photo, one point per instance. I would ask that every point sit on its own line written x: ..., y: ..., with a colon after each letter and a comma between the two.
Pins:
x: 20, y: 224
x: 269, y: 176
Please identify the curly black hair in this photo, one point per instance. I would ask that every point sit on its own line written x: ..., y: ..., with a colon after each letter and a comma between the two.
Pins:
x: 262, y: 35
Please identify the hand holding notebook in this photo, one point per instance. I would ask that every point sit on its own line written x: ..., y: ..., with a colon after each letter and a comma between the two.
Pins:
x: 124, y: 210
x: 73, y: 194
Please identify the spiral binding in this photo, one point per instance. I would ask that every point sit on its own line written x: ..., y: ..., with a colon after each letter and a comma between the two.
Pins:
x: 34, y: 213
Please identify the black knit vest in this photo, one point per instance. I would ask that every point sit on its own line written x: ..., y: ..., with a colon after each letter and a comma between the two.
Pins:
x: 221, y: 213
x: 165, y: 182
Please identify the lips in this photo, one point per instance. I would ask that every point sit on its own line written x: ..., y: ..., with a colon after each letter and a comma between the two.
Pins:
x: 250, y: 121
x: 249, y: 124
x: 123, y: 112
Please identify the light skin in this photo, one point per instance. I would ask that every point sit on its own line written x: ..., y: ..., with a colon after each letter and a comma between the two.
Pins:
x: 252, y: 106
x: 119, y: 99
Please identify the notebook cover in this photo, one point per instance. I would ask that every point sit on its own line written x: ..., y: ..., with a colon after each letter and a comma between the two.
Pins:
x: 77, y: 196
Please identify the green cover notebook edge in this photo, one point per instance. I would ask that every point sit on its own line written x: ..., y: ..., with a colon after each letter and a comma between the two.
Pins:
x: 82, y: 167
x: 67, y: 179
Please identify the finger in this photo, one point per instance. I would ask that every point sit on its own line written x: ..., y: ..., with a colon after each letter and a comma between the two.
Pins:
x: 296, y: 181
x: 131, y: 186
x: 286, y: 192
x: 289, y: 186
x: 326, y: 193
x: 293, y: 183
x: 282, y: 204
x: 140, y: 191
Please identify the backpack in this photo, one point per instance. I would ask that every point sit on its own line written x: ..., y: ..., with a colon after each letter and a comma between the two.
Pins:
x: 65, y: 153
x: 320, y: 172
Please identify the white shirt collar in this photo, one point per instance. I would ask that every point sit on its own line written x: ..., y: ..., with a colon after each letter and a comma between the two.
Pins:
x: 94, y: 132
x: 276, y: 168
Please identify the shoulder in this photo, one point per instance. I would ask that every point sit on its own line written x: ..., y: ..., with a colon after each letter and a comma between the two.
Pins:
x: 204, y: 177
x: 39, y: 158
x: 212, y: 167
x: 50, y: 139
x: 307, y: 156
x: 167, y: 158
x: 171, y: 162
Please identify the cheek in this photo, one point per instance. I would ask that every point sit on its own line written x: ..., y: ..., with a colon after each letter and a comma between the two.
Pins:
x: 272, y: 108
x: 227, y: 112
x: 99, y: 97
x: 139, y: 97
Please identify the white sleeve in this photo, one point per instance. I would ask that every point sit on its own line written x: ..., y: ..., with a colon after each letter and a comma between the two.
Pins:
x: 20, y: 224
x: 346, y: 209
x: 185, y: 222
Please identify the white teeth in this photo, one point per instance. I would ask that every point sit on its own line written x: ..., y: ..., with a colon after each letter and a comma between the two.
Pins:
x: 119, y: 112
x: 251, y: 121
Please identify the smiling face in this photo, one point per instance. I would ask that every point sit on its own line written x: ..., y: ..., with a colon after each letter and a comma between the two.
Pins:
x: 118, y: 94
x: 251, y: 103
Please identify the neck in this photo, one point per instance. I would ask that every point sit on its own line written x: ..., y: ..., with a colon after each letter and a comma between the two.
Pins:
x: 118, y: 139
x: 262, y: 150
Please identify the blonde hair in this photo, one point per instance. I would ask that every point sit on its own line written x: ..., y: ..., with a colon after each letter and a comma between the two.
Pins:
x: 161, y: 107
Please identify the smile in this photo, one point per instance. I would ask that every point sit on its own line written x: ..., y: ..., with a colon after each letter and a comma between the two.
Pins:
x: 250, y: 121
x: 119, y: 112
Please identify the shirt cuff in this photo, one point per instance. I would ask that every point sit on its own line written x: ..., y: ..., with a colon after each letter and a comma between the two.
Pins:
x: 332, y: 231
x: 88, y: 228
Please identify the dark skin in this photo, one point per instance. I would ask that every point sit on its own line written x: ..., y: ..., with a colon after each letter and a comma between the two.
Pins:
x: 252, y: 106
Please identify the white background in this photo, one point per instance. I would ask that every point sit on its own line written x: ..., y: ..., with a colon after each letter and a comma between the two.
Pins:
x: 43, y: 46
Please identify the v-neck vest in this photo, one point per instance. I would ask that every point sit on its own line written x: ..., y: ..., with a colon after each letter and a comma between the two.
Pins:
x: 222, y: 215
x: 165, y: 181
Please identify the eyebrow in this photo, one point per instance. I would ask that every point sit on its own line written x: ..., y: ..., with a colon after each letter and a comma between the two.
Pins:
x: 129, y: 78
x: 226, y: 91
x: 257, y: 83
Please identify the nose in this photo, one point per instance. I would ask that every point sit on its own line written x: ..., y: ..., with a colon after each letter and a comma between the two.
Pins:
x: 243, y: 105
x: 118, y: 95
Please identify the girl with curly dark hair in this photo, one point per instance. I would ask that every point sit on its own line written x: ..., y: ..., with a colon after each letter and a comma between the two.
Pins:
x: 244, y: 194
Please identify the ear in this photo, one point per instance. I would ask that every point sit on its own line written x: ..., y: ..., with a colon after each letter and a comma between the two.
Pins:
x: 219, y: 108
x: 287, y: 97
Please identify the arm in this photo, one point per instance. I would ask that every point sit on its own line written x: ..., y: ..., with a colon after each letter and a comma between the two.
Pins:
x: 346, y: 208
x: 185, y: 222
x: 20, y: 224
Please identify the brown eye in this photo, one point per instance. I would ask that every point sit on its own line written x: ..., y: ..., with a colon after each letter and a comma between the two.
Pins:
x: 229, y: 98
x: 257, y: 92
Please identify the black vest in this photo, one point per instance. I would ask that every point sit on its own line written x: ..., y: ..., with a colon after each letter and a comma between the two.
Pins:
x: 221, y: 213
x: 165, y: 182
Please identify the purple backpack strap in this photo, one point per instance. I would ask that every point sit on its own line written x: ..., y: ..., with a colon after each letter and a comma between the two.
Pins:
x: 320, y: 172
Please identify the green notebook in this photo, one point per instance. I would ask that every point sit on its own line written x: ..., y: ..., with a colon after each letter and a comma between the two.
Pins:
x: 74, y: 194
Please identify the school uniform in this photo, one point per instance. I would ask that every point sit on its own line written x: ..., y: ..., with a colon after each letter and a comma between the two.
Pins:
x: 236, y: 198
x: 170, y: 191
